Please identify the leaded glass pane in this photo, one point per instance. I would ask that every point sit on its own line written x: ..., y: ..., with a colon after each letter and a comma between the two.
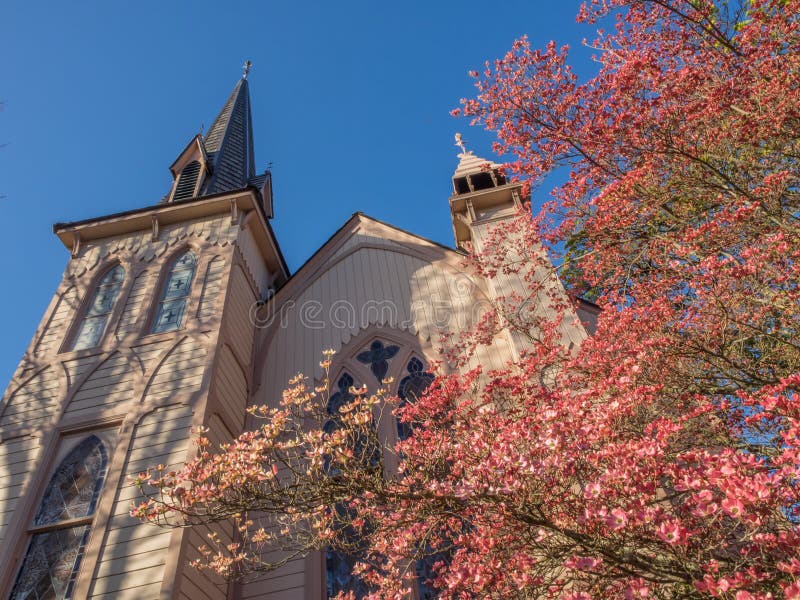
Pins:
x: 90, y: 331
x: 115, y: 275
x: 169, y: 315
x: 94, y: 322
x: 75, y: 486
x: 51, y: 564
x: 411, y: 387
x: 377, y: 357
x: 178, y: 284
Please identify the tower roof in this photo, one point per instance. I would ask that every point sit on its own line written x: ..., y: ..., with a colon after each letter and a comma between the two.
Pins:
x: 229, y: 143
x: 469, y: 164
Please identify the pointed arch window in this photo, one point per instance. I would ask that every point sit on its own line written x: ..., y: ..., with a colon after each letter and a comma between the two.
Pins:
x: 411, y: 387
x: 61, y: 527
x: 175, y: 293
x: 339, y: 565
x: 94, y: 322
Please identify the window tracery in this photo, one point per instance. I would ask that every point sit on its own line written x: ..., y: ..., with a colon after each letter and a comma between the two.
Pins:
x: 377, y: 357
x: 415, y: 380
x: 61, y: 526
x: 411, y: 387
x: 175, y: 293
x: 94, y: 322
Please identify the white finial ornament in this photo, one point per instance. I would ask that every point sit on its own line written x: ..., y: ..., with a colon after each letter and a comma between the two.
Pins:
x: 246, y: 69
x: 460, y: 143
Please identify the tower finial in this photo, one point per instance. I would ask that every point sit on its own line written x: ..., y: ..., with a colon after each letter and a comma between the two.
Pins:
x: 246, y: 69
x: 460, y: 143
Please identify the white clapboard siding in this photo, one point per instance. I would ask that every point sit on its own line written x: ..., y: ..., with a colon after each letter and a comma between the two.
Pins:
x: 207, y: 306
x: 254, y: 260
x: 287, y: 583
x: 135, y: 305
x: 237, y: 324
x: 507, y: 284
x: 201, y: 584
x: 181, y: 371
x: 34, y: 402
x: 131, y: 562
x: 77, y: 367
x: 109, y: 386
x: 18, y: 458
x: 57, y: 325
x: 230, y: 387
x: 150, y: 353
x: 373, y: 286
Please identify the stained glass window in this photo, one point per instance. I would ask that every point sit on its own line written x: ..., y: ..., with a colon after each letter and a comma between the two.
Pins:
x: 61, y: 526
x: 94, y: 322
x: 177, y: 286
x: 411, y: 387
x: 377, y: 357
x: 339, y: 565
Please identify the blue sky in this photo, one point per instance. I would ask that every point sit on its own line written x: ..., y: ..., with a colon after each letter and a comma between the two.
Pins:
x: 350, y: 105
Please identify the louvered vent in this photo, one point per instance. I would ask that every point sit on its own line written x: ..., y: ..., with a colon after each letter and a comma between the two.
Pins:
x: 187, y: 181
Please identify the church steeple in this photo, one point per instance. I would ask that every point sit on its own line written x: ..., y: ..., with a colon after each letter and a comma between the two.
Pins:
x: 223, y: 160
x: 229, y: 143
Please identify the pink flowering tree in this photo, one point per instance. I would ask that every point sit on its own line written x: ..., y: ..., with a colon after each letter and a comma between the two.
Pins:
x: 661, y: 459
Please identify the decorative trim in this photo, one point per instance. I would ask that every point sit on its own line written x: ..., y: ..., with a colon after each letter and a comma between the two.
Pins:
x: 154, y: 226
x: 76, y: 243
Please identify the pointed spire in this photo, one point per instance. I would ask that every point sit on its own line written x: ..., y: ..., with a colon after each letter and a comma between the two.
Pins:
x: 229, y: 142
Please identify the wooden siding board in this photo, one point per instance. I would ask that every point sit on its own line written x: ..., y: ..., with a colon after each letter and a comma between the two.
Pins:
x: 124, y: 562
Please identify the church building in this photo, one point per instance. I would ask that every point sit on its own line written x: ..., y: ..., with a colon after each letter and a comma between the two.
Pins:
x: 182, y: 314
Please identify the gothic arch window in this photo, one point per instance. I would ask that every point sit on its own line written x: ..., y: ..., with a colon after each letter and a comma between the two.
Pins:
x: 379, y: 359
x: 95, y: 320
x: 62, y: 523
x: 175, y: 293
x: 339, y: 576
x: 411, y: 387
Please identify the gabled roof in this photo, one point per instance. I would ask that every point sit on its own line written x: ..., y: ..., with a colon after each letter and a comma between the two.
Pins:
x: 229, y: 143
x: 195, y: 143
x: 349, y: 225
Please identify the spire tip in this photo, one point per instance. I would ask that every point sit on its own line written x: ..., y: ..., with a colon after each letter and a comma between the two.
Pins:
x: 246, y: 69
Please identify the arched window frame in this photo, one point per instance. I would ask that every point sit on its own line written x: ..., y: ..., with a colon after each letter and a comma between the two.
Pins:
x: 92, y: 324
x: 169, y: 300
x: 363, y: 372
x: 66, y: 534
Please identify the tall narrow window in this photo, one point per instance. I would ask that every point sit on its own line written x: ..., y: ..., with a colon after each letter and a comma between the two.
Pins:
x: 94, y: 322
x: 339, y: 565
x: 411, y: 387
x: 61, y: 527
x: 178, y: 284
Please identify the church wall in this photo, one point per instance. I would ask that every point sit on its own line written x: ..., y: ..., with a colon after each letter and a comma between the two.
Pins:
x: 536, y: 304
x: 130, y: 375
x: 18, y: 457
x: 133, y: 556
x: 374, y: 280
x: 388, y: 284
x: 228, y: 399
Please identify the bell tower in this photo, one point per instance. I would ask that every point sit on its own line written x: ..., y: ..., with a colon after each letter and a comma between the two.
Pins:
x: 148, y: 335
x: 484, y: 205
